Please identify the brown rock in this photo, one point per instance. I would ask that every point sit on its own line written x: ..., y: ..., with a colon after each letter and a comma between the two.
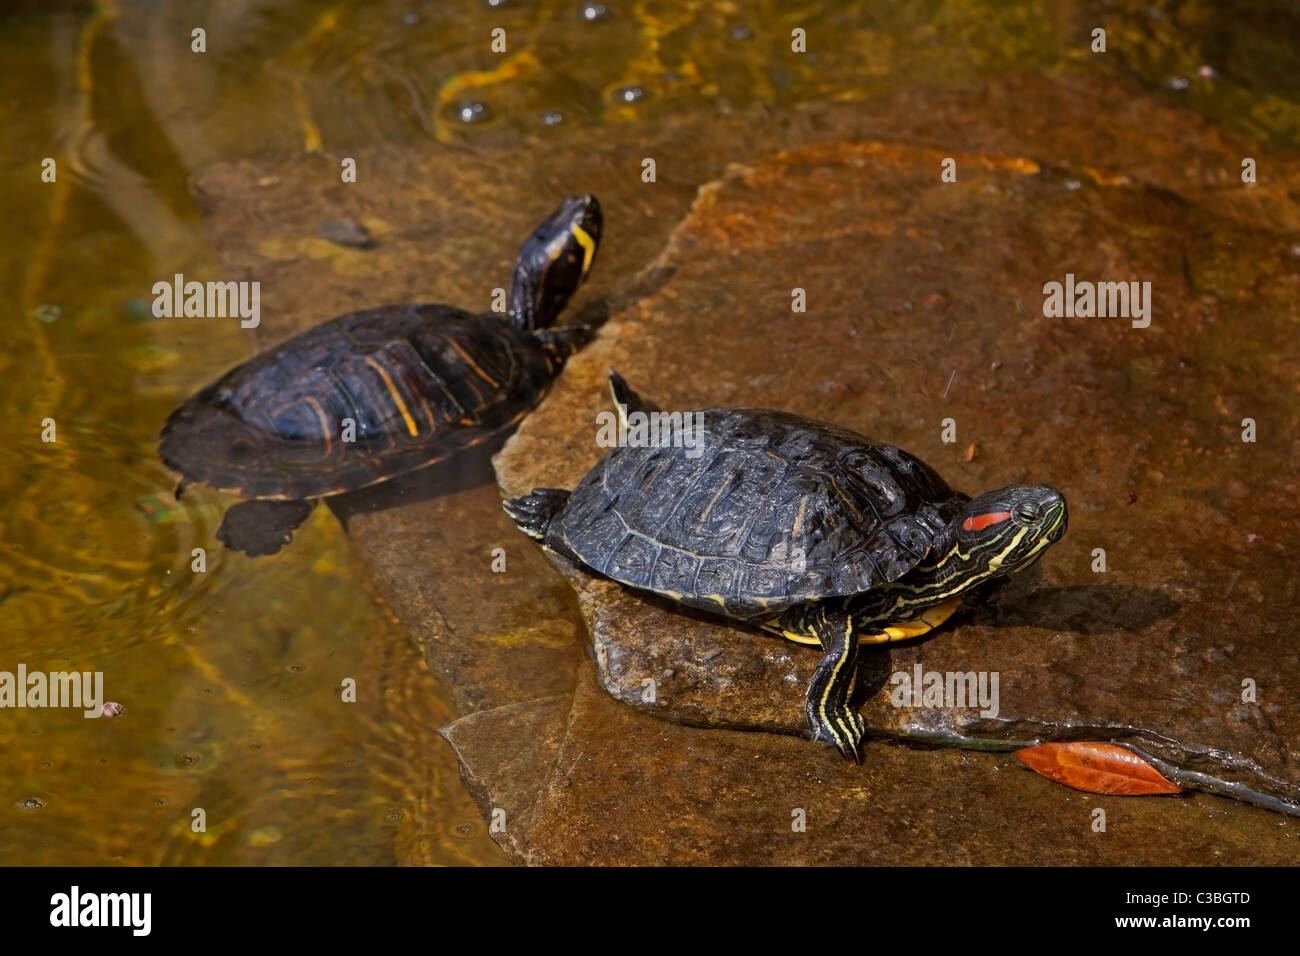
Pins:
x: 507, y: 756
x: 626, y: 789
x: 1150, y: 652
x: 1139, y: 430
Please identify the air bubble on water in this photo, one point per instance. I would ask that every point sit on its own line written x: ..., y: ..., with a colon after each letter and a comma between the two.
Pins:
x: 470, y: 113
x: 629, y: 94
x: 552, y: 118
x: 592, y: 12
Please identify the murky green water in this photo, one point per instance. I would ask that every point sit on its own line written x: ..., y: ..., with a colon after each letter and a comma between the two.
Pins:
x: 230, y: 678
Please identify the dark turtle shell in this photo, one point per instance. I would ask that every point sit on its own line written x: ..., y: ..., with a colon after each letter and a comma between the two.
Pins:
x: 775, y: 511
x: 418, y: 383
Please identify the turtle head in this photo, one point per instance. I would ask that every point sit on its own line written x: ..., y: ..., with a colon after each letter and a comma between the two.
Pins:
x: 1005, y: 530
x: 553, y: 262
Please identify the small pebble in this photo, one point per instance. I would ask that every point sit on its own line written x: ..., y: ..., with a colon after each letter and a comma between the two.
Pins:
x: 139, y: 310
x: 112, y: 708
x: 347, y: 232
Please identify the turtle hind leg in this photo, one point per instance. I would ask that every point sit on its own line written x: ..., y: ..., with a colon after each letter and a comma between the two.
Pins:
x: 533, y: 512
x: 829, y: 712
x: 259, y: 528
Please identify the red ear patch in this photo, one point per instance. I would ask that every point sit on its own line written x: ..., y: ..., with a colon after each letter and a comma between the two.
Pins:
x: 980, y: 522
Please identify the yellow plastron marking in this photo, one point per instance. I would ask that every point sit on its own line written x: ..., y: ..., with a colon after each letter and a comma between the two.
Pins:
x: 397, y: 398
x: 588, y: 247
x: 929, y: 619
x: 800, y: 638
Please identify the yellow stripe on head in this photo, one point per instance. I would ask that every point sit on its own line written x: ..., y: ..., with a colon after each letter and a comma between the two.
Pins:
x: 588, y: 247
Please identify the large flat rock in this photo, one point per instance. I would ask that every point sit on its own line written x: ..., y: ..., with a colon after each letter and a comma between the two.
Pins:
x: 447, y: 222
x: 925, y: 303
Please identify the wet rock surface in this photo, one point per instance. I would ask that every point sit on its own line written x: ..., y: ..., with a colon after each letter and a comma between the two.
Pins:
x: 908, y: 281
x: 926, y: 304
x: 626, y: 789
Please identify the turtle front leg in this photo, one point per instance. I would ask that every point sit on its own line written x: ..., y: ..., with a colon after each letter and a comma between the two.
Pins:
x: 829, y: 713
x: 261, y: 527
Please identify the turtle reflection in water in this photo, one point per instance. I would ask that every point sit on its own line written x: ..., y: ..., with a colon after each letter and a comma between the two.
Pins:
x: 416, y: 382
x: 801, y: 528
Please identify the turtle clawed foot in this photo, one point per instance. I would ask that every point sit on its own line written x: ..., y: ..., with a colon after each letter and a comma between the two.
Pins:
x: 845, y: 731
x: 259, y: 528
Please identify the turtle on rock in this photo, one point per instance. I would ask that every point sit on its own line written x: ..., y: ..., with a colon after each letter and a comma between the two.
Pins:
x: 372, y: 395
x: 797, y: 527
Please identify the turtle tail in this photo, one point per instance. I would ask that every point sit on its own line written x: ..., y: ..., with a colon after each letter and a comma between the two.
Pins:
x: 533, y: 512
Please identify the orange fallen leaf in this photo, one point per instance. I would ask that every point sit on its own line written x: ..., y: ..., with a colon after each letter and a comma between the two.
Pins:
x: 1096, y: 768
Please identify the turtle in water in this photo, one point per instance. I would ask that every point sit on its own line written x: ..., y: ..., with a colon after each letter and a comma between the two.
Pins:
x: 801, y: 528
x: 371, y: 395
